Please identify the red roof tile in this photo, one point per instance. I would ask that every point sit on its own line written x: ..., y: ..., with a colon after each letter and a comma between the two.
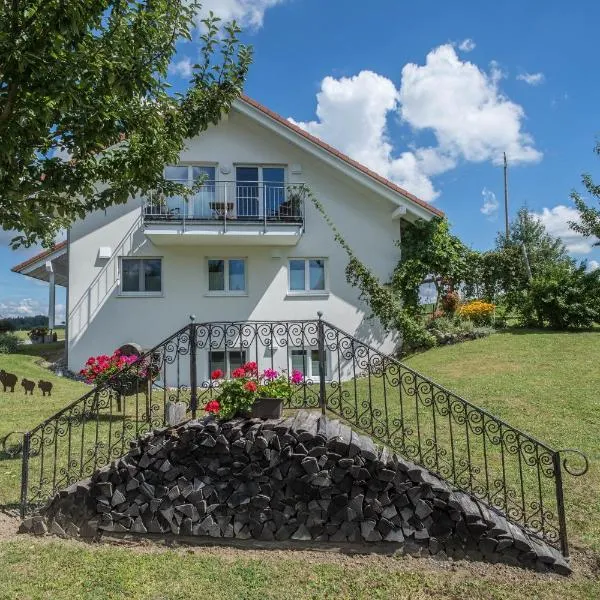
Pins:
x: 341, y: 155
x: 40, y: 256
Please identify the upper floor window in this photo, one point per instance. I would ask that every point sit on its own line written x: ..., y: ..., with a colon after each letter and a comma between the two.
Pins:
x: 141, y: 275
x: 307, y: 275
x: 189, y: 174
x: 227, y: 275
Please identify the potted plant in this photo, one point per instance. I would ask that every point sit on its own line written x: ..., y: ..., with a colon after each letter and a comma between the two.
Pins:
x: 251, y: 393
x: 38, y: 335
x: 112, y: 370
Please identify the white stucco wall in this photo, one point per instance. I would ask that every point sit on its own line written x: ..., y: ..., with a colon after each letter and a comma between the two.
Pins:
x: 100, y: 320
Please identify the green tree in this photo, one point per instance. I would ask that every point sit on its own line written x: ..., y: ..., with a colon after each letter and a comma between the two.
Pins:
x: 429, y: 252
x: 87, y: 118
x: 589, y: 216
x: 528, y: 255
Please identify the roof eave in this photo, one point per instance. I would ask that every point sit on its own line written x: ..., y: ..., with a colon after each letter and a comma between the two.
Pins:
x: 381, y: 185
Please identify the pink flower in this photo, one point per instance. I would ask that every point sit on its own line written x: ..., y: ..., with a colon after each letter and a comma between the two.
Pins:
x: 250, y: 386
x: 217, y: 374
x: 212, y: 407
x: 238, y: 373
x: 297, y: 377
x: 270, y: 374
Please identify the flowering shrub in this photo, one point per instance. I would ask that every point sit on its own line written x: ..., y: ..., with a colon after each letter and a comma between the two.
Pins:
x: 450, y: 302
x: 238, y: 394
x: 99, y: 369
x: 104, y: 368
x: 478, y: 311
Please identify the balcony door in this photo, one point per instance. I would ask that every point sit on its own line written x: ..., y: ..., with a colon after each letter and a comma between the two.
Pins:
x: 259, y: 191
x: 199, y: 205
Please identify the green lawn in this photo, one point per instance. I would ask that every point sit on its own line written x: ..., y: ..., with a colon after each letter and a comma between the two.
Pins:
x: 544, y: 383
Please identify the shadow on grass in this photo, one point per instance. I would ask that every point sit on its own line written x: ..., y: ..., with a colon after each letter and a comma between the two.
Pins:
x: 545, y: 331
x: 52, y: 351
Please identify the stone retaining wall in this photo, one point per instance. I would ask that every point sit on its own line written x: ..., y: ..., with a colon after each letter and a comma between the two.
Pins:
x: 303, y: 478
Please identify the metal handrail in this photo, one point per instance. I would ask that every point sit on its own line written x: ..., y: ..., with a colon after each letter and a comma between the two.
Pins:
x: 509, y: 470
x: 230, y: 200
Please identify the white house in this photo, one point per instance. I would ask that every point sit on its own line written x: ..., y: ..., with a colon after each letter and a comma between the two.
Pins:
x: 247, y: 246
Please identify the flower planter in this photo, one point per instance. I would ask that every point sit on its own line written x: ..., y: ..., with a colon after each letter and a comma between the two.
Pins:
x: 267, y: 408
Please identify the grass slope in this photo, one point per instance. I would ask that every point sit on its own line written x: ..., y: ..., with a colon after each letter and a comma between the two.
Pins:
x: 544, y: 383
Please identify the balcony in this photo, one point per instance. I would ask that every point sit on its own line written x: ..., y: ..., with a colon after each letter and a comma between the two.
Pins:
x: 228, y: 212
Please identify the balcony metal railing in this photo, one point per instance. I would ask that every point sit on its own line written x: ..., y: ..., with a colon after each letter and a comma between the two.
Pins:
x: 236, y: 201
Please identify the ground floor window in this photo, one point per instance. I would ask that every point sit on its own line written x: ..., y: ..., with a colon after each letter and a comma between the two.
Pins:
x: 306, y: 360
x: 227, y: 275
x: 141, y: 275
x: 226, y: 360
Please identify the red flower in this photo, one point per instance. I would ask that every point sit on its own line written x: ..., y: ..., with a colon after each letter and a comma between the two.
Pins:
x: 238, y: 373
x: 212, y: 407
x: 251, y: 368
x: 217, y: 374
x: 250, y: 386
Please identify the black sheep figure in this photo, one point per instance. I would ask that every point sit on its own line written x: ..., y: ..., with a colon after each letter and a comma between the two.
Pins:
x: 8, y: 380
x: 46, y: 387
x: 28, y: 385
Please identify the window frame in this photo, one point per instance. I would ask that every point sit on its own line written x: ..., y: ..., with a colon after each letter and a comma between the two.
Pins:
x: 190, y: 165
x: 307, y: 291
x: 141, y: 293
x: 226, y: 291
x: 310, y: 349
x: 243, y: 352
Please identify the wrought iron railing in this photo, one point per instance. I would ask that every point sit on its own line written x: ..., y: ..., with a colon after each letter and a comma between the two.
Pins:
x: 474, y: 451
x: 235, y: 201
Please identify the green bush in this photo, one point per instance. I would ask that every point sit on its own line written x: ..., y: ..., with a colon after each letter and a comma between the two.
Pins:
x: 8, y: 343
x: 562, y: 298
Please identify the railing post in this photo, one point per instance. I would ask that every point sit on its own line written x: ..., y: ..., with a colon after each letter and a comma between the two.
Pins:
x: 264, y: 206
x: 193, y: 374
x: 560, y: 504
x: 321, y: 351
x: 25, y: 473
x: 225, y: 205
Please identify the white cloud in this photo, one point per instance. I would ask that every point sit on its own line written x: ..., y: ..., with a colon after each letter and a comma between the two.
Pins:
x: 459, y: 103
x: 465, y: 109
x: 248, y: 13
x: 532, y: 78
x: 490, y: 203
x: 592, y: 265
x: 467, y: 45
x: 556, y: 220
x: 182, y: 68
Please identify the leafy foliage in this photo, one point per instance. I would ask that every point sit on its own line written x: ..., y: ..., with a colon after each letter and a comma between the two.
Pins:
x: 86, y: 116
x: 589, y: 216
x: 381, y: 300
x: 6, y: 326
x: 429, y: 252
x: 454, y: 329
x: 238, y: 393
x: 563, y: 297
x: 8, y: 343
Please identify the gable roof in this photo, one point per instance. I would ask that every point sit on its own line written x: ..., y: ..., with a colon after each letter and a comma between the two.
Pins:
x: 40, y: 257
x: 341, y: 156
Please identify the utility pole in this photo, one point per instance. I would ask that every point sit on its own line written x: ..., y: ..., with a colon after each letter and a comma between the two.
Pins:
x: 506, y: 197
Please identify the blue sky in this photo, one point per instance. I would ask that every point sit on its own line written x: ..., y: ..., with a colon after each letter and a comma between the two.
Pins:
x: 429, y: 94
